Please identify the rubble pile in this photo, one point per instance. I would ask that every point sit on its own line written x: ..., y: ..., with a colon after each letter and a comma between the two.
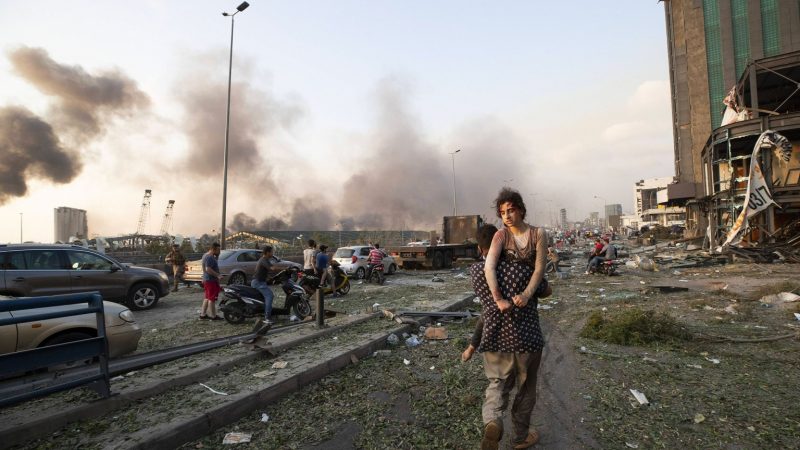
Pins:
x: 786, y: 247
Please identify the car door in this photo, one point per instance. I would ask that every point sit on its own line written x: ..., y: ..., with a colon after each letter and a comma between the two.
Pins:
x: 37, y: 272
x: 92, y: 272
x: 363, y: 256
x: 8, y: 333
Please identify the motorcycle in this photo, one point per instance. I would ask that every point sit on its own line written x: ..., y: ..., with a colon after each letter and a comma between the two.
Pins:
x: 240, y: 301
x: 605, y: 268
x: 340, y: 285
x: 376, y: 275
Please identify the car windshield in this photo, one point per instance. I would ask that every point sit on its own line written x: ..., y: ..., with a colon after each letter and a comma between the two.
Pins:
x: 344, y: 253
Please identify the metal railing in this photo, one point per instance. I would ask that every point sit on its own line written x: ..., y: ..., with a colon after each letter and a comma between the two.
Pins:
x: 54, y: 355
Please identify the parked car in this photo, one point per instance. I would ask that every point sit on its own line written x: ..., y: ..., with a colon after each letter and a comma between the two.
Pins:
x: 237, y: 266
x: 121, y: 329
x: 353, y: 260
x: 29, y: 270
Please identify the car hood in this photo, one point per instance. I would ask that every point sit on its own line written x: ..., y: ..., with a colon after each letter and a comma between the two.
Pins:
x: 140, y: 269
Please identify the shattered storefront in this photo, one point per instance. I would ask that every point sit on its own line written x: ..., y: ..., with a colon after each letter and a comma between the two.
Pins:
x: 760, y: 140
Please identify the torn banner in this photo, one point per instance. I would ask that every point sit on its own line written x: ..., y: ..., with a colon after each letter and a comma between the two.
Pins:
x: 758, y: 198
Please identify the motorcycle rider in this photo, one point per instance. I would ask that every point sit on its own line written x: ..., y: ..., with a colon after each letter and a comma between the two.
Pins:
x: 608, y: 253
x: 375, y: 258
x: 260, y: 281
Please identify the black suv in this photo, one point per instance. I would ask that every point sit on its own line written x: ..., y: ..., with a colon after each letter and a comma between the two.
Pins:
x: 48, y: 269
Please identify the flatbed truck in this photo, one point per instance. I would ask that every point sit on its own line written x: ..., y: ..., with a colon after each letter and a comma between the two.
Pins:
x: 460, y: 241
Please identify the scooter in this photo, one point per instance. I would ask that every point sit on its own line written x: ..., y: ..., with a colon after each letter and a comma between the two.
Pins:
x: 240, y: 302
x: 341, y: 282
x: 376, y: 275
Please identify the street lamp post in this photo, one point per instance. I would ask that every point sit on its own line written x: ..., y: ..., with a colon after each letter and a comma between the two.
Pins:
x: 239, y: 9
x: 453, y: 158
x: 605, y: 218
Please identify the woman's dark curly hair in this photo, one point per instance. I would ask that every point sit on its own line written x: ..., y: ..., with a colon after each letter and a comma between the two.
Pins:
x: 508, y: 195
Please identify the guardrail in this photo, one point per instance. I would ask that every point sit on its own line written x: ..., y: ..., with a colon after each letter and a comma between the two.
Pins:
x: 54, y: 355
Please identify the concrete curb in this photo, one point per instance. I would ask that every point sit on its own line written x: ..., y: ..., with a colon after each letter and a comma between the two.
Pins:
x: 173, y: 435
x: 45, y: 425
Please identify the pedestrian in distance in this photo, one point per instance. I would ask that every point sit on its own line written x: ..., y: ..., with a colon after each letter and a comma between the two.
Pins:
x: 259, y: 282
x: 512, y: 340
x: 210, y: 283
x: 178, y: 261
x: 310, y: 258
x: 321, y: 264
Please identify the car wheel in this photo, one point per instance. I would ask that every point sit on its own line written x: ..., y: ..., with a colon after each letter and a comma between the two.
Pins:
x: 63, y: 338
x: 392, y: 269
x: 360, y: 273
x: 237, y: 278
x: 142, y: 296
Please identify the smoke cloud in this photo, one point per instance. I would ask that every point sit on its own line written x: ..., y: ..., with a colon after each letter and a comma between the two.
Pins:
x: 255, y: 115
x: 30, y: 148
x: 84, y: 103
x: 404, y: 180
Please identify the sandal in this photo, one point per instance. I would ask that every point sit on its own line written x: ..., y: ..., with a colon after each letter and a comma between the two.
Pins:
x: 530, y: 441
x: 204, y: 318
x: 217, y: 318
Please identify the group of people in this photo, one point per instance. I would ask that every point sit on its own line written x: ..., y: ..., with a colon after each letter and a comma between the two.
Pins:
x: 509, y: 282
x: 603, y: 251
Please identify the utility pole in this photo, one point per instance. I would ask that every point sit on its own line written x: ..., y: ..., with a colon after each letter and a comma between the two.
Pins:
x: 453, y: 158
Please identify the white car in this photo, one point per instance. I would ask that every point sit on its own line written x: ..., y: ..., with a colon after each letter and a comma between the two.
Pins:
x: 353, y: 260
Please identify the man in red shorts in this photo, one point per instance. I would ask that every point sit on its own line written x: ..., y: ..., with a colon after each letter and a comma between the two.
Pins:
x: 211, y: 283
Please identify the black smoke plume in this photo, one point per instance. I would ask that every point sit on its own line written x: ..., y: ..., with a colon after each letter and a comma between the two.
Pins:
x: 83, y: 103
x: 29, y: 148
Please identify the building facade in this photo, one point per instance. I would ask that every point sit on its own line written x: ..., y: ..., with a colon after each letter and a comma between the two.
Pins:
x: 710, y: 42
x: 70, y: 223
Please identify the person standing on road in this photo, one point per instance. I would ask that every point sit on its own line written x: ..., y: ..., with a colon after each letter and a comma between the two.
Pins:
x: 512, y: 338
x: 178, y: 261
x: 260, y: 281
x: 322, y: 264
x: 210, y: 283
x: 310, y: 258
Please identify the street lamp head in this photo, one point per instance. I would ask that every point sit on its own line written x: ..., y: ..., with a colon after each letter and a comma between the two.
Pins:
x: 457, y: 151
x: 242, y: 7
x: 225, y: 14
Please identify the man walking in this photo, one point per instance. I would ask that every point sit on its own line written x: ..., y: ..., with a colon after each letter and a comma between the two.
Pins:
x: 178, y: 261
x: 322, y: 264
x: 260, y: 281
x: 310, y: 258
x: 210, y: 283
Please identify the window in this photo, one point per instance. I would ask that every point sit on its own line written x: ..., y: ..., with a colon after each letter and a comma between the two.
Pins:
x: 87, y: 261
x: 247, y: 257
x: 716, y: 88
x: 43, y: 260
x: 364, y: 251
x: 13, y: 261
x: 770, y: 28
x: 741, y: 35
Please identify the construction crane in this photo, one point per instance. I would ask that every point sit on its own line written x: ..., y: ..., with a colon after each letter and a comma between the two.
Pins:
x: 145, y: 212
x: 166, y: 221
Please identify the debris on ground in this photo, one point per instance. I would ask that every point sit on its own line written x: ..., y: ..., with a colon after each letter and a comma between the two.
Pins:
x: 280, y: 364
x: 213, y: 390
x: 436, y: 333
x: 437, y: 279
x: 237, y: 438
x: 264, y: 418
x: 264, y: 373
x: 641, y: 398
x: 392, y: 339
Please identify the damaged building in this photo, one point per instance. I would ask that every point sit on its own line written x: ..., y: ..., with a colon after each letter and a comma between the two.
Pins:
x: 766, y: 97
x: 734, y: 70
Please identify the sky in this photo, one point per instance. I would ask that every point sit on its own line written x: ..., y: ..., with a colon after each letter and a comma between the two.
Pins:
x: 344, y: 114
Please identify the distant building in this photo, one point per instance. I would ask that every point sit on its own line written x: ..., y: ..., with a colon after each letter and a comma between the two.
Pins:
x: 652, y: 203
x: 563, y: 221
x: 594, y: 219
x: 70, y: 222
x: 613, y: 210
